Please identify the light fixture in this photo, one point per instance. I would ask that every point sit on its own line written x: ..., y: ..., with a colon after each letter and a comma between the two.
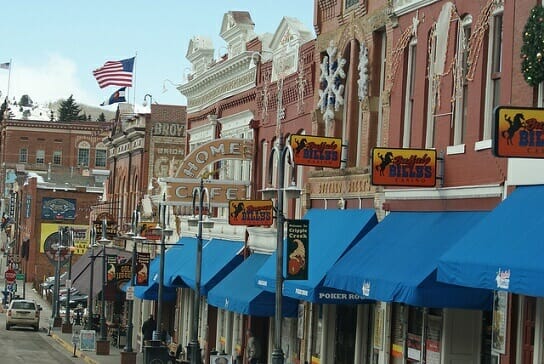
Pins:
x: 252, y: 62
x: 145, y: 99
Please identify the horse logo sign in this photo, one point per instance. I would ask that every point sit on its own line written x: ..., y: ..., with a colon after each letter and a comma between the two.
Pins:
x: 404, y: 167
x: 519, y: 132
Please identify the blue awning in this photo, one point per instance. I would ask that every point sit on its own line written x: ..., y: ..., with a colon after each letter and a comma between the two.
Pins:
x: 219, y: 258
x: 396, y: 261
x: 332, y: 232
x: 238, y: 292
x: 172, y: 255
x: 505, y: 250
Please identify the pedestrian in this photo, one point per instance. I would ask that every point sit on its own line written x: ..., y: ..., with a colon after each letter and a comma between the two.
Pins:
x: 148, y: 327
x: 253, y: 349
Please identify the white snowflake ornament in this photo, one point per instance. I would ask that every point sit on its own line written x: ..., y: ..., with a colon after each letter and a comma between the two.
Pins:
x: 331, y: 89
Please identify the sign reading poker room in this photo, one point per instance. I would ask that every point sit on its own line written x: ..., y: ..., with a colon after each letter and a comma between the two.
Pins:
x: 316, y: 151
x: 404, y: 167
x: 251, y: 212
x: 519, y: 132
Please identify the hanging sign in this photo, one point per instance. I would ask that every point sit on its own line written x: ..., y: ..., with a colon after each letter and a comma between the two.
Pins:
x: 297, y: 249
x: 142, y: 269
x: 251, y: 212
x: 519, y: 132
x: 316, y: 151
x: 404, y: 167
x: 111, y: 268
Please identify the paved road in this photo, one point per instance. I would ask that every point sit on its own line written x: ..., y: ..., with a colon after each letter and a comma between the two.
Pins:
x: 21, y: 345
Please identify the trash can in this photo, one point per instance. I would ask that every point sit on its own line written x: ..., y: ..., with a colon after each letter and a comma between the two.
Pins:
x: 155, y: 353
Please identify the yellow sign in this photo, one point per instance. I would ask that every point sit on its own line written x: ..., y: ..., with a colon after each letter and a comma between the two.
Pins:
x: 519, y: 132
x: 49, y: 236
x: 251, y: 212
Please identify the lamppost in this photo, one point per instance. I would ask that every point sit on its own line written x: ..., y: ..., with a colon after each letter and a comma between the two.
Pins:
x: 90, y: 301
x: 166, y: 232
x: 57, y: 321
x: 133, y: 235
x: 194, y: 346
x: 102, y: 345
x: 67, y: 327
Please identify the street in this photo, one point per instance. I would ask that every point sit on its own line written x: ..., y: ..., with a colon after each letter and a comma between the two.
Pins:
x: 22, y: 345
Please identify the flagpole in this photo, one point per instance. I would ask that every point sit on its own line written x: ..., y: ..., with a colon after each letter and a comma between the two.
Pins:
x: 9, y: 77
x: 134, y: 79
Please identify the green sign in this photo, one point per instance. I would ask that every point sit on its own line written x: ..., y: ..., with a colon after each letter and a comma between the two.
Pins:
x: 20, y: 276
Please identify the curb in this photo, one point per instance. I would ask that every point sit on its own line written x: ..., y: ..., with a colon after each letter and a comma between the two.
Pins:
x: 69, y: 347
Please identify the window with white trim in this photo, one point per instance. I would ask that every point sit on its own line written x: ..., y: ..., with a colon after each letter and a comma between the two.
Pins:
x: 40, y: 157
x: 57, y: 157
x: 100, y: 157
x: 83, y: 154
x: 23, y: 155
x: 494, y: 68
x: 409, y: 92
x: 460, y: 91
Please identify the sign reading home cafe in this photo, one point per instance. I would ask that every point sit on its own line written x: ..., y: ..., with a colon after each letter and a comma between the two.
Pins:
x: 195, y: 166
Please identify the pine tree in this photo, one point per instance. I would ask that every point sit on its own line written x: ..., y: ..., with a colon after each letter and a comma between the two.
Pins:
x: 532, y: 50
x: 101, y: 117
x: 70, y: 111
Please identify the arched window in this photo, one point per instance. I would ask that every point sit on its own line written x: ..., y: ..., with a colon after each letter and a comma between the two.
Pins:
x: 83, y: 152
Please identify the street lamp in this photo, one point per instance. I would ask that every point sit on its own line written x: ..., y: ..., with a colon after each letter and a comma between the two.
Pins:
x: 70, y: 247
x: 194, y: 346
x: 282, y: 152
x: 133, y: 235
x: 56, y: 302
x: 102, y: 346
x: 92, y: 245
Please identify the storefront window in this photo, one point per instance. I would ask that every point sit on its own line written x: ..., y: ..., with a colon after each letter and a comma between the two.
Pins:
x: 346, y: 329
x: 317, y: 331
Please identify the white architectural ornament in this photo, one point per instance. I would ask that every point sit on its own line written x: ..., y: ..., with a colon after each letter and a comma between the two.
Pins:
x: 363, y: 72
x: 331, y: 87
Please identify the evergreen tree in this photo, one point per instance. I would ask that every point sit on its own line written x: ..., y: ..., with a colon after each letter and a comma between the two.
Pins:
x: 101, y: 117
x: 26, y: 101
x: 532, y: 49
x: 3, y: 108
x: 70, y: 111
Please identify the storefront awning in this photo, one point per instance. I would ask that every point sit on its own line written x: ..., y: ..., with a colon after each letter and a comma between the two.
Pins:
x: 81, y: 269
x: 505, y: 250
x: 219, y: 258
x: 171, y: 258
x: 238, y: 292
x: 396, y: 261
x: 331, y: 233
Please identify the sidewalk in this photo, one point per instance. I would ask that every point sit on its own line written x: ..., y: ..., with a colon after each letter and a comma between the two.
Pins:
x: 65, y: 339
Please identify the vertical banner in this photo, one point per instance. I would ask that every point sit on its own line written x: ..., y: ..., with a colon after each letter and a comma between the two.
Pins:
x: 498, y: 332
x: 142, y: 269
x: 297, y: 249
x: 111, y: 268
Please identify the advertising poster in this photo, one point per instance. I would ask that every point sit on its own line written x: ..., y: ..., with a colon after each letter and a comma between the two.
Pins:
x: 519, y: 132
x: 297, y: 249
x: 404, y: 167
x: 50, y: 236
x: 316, y: 151
x: 87, y: 340
x: 142, y: 269
x: 251, y: 212
x: 111, y: 268
x: 58, y: 208
x: 498, y: 332
x: 413, y: 344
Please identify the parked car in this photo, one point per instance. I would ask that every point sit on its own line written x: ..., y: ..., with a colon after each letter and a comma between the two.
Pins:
x: 23, y: 313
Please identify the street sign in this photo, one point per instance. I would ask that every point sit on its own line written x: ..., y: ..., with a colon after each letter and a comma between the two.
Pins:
x: 10, y: 275
x: 20, y: 276
x: 130, y: 293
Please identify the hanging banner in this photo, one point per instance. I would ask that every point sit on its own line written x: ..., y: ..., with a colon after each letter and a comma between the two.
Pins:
x: 404, y: 167
x: 111, y: 268
x: 316, y: 151
x: 142, y: 269
x: 519, y: 132
x: 251, y: 212
x: 297, y: 249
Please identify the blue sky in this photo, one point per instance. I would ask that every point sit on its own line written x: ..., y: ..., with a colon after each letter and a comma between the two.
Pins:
x: 55, y: 45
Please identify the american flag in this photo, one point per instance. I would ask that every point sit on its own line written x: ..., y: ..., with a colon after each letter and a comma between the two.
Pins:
x: 116, y: 73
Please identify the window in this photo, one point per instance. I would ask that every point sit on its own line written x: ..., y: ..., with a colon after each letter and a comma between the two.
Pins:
x: 409, y: 92
x: 494, y: 67
x: 100, y: 158
x: 40, y: 156
x: 460, y: 91
x: 23, y: 155
x: 57, y: 157
x: 83, y: 152
x: 350, y: 3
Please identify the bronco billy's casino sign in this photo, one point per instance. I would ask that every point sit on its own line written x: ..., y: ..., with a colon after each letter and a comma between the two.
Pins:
x: 519, y: 132
x: 404, y: 167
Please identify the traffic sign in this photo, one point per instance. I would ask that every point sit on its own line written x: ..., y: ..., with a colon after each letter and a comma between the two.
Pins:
x: 10, y: 275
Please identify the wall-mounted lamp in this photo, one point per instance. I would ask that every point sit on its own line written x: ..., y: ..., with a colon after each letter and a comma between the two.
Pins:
x: 164, y: 88
x: 145, y: 99
x: 252, y: 62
